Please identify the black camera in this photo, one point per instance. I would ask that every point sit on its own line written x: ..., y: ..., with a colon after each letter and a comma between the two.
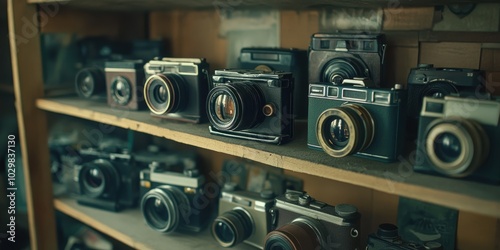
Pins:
x: 387, y: 237
x: 459, y: 137
x: 173, y: 196
x: 243, y: 217
x: 176, y: 88
x: 336, y: 57
x: 90, y: 82
x: 287, y: 60
x: 366, y: 122
x: 425, y: 80
x: 252, y: 104
x: 302, y: 222
x: 124, y: 81
x: 107, y: 180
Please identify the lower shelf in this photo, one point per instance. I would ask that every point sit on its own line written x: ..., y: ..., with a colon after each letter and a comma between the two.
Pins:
x: 128, y: 227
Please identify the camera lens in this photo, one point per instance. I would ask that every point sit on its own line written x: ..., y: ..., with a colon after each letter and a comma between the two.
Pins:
x: 99, y: 179
x: 338, y: 69
x: 165, y: 208
x: 344, y: 130
x: 232, y: 227
x: 302, y: 233
x: 164, y: 93
x: 456, y: 146
x: 121, y: 90
x: 235, y: 106
x: 90, y: 81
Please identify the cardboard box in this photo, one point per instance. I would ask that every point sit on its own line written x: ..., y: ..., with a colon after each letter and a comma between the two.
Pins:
x: 451, y: 55
x: 493, y: 82
x: 490, y: 59
x: 408, y: 18
x: 399, y: 61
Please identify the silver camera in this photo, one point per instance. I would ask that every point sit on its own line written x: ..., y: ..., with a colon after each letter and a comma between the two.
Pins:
x: 243, y: 216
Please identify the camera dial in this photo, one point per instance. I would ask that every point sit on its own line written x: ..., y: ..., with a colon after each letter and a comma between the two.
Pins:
x: 339, y: 69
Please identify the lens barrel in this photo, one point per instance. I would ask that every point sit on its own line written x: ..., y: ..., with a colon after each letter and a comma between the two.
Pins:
x: 338, y: 69
x: 232, y: 227
x: 165, y: 93
x: 121, y: 90
x: 301, y: 234
x: 99, y: 179
x: 89, y: 82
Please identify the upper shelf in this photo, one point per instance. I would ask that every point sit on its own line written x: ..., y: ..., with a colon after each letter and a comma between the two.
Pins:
x: 232, y: 4
x: 395, y: 178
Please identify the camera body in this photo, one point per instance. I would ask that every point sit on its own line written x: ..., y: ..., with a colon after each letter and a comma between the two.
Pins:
x: 176, y: 88
x: 366, y: 122
x: 281, y: 59
x: 305, y: 223
x: 425, y: 80
x: 252, y: 104
x: 90, y: 82
x: 106, y: 180
x: 124, y: 84
x: 173, y: 195
x: 387, y: 237
x: 459, y: 137
x: 243, y: 216
x: 334, y: 57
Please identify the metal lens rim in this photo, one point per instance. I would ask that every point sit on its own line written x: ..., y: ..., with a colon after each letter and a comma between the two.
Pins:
x: 322, y: 121
x: 149, y: 89
x: 110, y: 183
x: 80, y: 76
x: 172, y: 222
x: 212, y: 106
x: 122, y: 100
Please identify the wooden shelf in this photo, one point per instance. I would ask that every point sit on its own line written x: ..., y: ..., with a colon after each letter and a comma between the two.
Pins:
x: 394, y: 178
x: 224, y: 4
x: 129, y: 227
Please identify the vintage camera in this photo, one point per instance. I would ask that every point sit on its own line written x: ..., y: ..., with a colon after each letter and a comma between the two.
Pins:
x: 366, y: 122
x: 287, y: 60
x: 176, y: 88
x: 425, y: 80
x: 90, y: 82
x: 336, y: 57
x: 243, y: 217
x: 387, y: 237
x: 252, y: 104
x: 107, y: 180
x: 302, y: 222
x: 172, y: 195
x: 124, y: 80
x: 459, y: 137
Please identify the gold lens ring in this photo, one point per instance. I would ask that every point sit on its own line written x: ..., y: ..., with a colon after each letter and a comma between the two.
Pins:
x: 170, y: 93
x: 471, y: 137
x: 264, y: 68
x: 354, y: 140
x: 368, y: 124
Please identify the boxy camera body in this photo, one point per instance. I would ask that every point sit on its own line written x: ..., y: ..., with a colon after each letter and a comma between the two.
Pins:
x: 305, y: 223
x: 176, y: 88
x: 286, y: 60
x: 459, y: 137
x: 334, y: 57
x: 106, y: 180
x: 252, y: 104
x: 243, y: 216
x: 366, y: 122
x: 124, y: 84
x: 171, y: 200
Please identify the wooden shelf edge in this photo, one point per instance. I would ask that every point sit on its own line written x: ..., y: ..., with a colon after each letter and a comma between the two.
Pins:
x: 89, y: 220
x: 387, y: 185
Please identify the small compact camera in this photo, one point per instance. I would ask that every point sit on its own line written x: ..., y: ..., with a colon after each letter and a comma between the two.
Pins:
x: 172, y: 194
x: 425, y: 80
x: 90, y: 82
x: 252, y: 104
x: 124, y: 80
x: 106, y: 180
x: 387, y: 237
x: 287, y: 60
x: 243, y: 217
x: 176, y: 88
x: 366, y: 122
x: 338, y: 56
x: 459, y: 137
x: 304, y: 223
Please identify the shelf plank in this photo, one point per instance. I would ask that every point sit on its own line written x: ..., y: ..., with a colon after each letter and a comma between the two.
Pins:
x: 129, y: 227
x: 226, y: 4
x: 393, y: 178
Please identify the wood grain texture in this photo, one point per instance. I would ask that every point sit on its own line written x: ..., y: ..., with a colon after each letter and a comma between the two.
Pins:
x: 285, y: 4
x: 129, y: 227
x: 451, y: 54
x: 28, y: 86
x: 394, y: 178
